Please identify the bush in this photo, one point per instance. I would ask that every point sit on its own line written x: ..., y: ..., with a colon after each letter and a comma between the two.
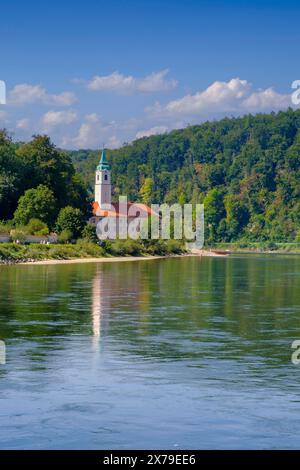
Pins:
x: 133, y: 247
x: 90, y: 249
x: 6, y: 226
x: 155, y: 247
x: 126, y: 247
x: 18, y: 235
x: 174, y: 247
x: 106, y: 245
x: 118, y: 248
x: 63, y: 252
x: 37, y: 251
x: 11, y: 252
x: 70, y: 219
x: 66, y: 236
x: 89, y: 234
x: 37, y: 227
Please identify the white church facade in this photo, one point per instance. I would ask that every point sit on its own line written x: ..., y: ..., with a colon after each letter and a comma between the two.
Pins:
x: 103, y: 206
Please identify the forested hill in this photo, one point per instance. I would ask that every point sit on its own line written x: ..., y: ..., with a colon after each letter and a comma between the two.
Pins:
x: 246, y: 171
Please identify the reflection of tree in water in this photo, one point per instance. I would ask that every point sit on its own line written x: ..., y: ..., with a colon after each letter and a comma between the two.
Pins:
x: 193, y: 308
x: 189, y: 308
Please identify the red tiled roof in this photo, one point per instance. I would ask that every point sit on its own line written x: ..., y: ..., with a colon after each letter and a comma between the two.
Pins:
x: 131, y: 209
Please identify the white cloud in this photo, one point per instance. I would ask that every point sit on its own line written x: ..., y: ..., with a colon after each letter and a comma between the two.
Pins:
x: 23, y: 124
x: 56, y: 118
x: 27, y: 94
x: 152, y: 131
x: 92, y: 117
x: 71, y: 130
x: 235, y: 96
x: 266, y: 100
x: 117, y: 82
x: 94, y: 132
x: 88, y: 134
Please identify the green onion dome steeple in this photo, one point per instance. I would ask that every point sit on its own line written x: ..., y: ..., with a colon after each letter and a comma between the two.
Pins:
x: 103, y: 164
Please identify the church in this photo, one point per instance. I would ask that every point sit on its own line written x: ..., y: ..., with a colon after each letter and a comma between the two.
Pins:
x: 103, y: 207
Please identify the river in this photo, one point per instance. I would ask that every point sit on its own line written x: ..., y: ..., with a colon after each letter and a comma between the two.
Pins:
x: 184, y: 353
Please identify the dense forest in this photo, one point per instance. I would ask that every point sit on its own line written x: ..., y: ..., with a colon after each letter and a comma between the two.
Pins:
x: 246, y: 171
x: 39, y: 188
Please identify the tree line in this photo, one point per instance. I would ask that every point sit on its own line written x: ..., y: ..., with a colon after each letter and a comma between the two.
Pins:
x: 245, y: 170
x: 39, y: 188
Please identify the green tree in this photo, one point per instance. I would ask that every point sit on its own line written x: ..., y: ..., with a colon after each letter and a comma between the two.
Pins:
x: 70, y: 219
x: 214, y: 212
x: 146, y: 191
x: 89, y: 233
x: 37, y: 227
x: 38, y: 203
x: 237, y: 215
x: 45, y: 164
x: 11, y: 182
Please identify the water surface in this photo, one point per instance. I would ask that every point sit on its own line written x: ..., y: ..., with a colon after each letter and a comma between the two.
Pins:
x: 173, y: 353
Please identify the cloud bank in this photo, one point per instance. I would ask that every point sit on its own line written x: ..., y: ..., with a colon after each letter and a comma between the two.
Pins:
x: 25, y: 94
x: 233, y: 97
x: 82, y: 126
x: 128, y: 84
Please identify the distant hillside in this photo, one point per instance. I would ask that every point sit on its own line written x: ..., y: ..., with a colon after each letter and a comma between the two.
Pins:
x: 246, y: 170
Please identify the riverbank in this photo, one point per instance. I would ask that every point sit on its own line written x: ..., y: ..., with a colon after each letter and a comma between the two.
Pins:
x: 13, y: 253
x: 116, y: 259
x: 258, y: 247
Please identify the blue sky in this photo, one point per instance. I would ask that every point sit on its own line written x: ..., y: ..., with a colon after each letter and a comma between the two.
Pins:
x: 88, y: 72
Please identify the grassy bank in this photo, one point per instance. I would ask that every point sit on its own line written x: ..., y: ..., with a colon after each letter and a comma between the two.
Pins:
x: 15, y: 253
x: 258, y: 247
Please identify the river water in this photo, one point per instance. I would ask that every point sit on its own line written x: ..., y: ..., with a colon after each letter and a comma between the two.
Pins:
x: 184, y: 353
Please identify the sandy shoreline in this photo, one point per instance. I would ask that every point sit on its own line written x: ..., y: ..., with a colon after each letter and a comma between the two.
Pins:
x: 116, y: 259
x: 93, y: 260
x: 120, y: 259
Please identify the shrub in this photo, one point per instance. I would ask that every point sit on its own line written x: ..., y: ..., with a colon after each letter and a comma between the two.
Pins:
x: 174, y: 246
x: 133, y: 247
x: 65, y: 236
x: 89, y: 234
x: 118, y: 248
x: 155, y: 247
x: 63, y: 252
x: 37, y: 227
x: 18, y: 235
x: 6, y: 226
x: 37, y: 251
x: 89, y: 249
x: 126, y: 247
x: 70, y: 219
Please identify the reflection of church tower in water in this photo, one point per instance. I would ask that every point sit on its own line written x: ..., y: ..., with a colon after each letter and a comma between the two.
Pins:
x: 100, y: 304
x: 110, y: 284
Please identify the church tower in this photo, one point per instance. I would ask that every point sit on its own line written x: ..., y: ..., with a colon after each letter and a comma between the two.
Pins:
x: 103, y: 183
